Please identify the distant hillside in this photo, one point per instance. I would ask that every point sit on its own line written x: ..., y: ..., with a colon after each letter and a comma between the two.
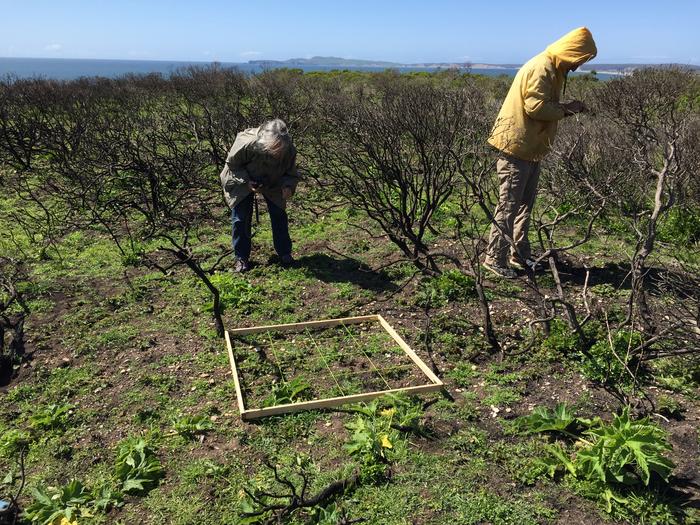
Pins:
x: 326, y: 61
x: 352, y: 62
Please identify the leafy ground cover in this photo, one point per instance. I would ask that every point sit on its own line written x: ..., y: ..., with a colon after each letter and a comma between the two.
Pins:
x: 571, y: 393
x: 126, y: 407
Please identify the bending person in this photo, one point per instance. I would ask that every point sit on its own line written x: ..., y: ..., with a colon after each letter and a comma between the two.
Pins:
x: 523, y: 134
x: 262, y: 160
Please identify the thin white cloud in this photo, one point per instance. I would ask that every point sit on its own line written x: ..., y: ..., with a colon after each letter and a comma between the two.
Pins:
x: 251, y: 53
x: 53, y: 47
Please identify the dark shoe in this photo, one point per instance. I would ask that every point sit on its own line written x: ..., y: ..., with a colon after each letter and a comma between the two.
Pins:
x: 500, y: 271
x: 241, y: 266
x: 287, y: 261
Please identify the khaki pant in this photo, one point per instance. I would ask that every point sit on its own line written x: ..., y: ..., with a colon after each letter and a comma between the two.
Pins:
x: 517, y: 191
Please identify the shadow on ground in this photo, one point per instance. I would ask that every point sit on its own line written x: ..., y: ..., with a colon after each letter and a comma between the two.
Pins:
x: 615, y: 275
x: 656, y: 282
x: 345, y: 270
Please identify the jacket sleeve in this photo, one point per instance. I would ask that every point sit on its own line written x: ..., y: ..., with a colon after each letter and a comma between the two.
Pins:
x: 291, y: 177
x: 237, y: 159
x: 538, y: 101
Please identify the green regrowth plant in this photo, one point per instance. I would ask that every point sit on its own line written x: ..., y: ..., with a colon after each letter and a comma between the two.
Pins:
x: 235, y: 292
x: 681, y: 226
x: 561, y: 340
x: 137, y: 467
x: 12, y: 442
x: 463, y: 374
x: 612, y: 460
x: 53, y: 504
x: 542, y: 420
x: 191, y: 426
x: 377, y: 429
x: 371, y: 441
x: 50, y: 417
x: 625, y: 451
x: 287, y: 392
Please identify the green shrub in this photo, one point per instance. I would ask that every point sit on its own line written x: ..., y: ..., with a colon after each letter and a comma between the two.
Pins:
x: 625, y: 451
x: 608, y: 360
x: 605, y: 290
x: 447, y: 287
x: 680, y: 226
x: 680, y: 374
x: 66, y: 504
x: 374, y: 435
x: 562, y: 340
x: 371, y: 440
x: 12, y: 442
x: 456, y: 336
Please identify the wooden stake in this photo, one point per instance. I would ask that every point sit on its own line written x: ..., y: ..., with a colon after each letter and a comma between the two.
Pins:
x: 409, y: 351
x: 326, y: 323
x: 234, y: 370
x: 332, y: 402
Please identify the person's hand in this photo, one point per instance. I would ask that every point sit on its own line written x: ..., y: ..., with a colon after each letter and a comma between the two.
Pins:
x: 573, y: 107
x: 254, y: 187
x: 286, y: 193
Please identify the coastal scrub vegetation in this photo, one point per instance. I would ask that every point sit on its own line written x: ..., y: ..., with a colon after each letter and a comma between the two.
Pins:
x: 571, y: 393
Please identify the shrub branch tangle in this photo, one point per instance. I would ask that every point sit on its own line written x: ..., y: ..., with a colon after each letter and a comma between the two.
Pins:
x: 391, y: 154
x: 654, y: 115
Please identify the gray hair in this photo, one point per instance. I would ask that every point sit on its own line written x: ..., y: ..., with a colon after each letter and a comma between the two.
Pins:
x: 274, y: 138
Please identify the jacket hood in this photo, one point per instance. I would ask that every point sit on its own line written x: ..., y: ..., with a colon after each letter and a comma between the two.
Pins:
x: 574, y: 48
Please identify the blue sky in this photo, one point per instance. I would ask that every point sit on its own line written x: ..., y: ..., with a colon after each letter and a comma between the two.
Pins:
x: 502, y: 31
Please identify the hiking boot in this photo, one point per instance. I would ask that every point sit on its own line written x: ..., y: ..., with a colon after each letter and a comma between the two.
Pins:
x: 516, y: 262
x: 287, y: 260
x: 241, y: 266
x: 500, y: 271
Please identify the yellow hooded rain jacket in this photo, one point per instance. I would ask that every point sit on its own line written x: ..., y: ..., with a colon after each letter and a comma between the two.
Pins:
x: 527, y: 122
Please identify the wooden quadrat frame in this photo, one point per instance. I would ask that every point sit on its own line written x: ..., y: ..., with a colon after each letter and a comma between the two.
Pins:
x: 434, y: 383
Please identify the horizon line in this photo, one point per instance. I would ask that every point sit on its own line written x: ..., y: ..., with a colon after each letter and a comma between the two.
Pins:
x: 212, y: 61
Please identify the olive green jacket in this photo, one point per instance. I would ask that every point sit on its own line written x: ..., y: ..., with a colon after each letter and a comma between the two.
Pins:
x: 247, y: 162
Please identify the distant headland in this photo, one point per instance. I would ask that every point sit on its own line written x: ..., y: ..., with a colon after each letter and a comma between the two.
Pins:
x: 338, y: 62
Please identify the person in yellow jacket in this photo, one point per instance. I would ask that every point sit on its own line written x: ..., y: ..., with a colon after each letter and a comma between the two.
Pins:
x: 523, y: 134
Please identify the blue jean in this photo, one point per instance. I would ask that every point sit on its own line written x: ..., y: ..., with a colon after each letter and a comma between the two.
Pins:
x: 241, y: 221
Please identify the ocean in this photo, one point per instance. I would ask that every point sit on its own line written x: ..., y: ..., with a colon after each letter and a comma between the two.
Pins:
x: 69, y: 68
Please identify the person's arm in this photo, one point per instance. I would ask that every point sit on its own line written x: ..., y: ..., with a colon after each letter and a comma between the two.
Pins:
x: 291, y: 177
x: 538, y: 100
x: 237, y: 159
